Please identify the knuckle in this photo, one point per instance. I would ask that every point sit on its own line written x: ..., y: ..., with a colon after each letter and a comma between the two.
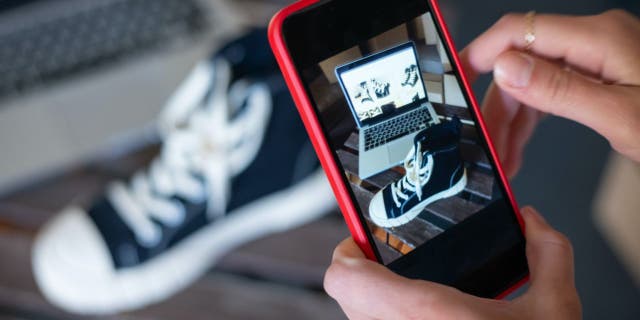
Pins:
x: 508, y: 20
x: 564, y: 304
x: 616, y: 15
x: 616, y: 29
x: 566, y: 300
x: 332, y: 278
x: 329, y: 280
x: 559, y: 240
x: 614, y: 23
x: 559, y: 85
x: 628, y: 129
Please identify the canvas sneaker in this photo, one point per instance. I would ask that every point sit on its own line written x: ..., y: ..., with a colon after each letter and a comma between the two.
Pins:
x: 235, y: 164
x: 410, y: 88
x: 411, y: 76
x: 434, y: 171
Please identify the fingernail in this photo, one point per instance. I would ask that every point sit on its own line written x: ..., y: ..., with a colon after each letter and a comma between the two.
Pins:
x: 514, y: 70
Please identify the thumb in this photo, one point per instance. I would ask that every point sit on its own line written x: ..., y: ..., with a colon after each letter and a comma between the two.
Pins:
x: 370, y: 289
x: 550, y: 256
x: 552, y: 88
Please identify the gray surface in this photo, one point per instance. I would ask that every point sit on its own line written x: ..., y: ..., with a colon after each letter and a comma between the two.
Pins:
x: 61, y: 124
x: 562, y: 168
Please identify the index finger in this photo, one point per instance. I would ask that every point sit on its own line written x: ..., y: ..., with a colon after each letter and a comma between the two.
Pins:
x: 574, y: 39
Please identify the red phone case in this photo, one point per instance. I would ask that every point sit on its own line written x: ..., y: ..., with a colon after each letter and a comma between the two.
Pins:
x: 321, y: 144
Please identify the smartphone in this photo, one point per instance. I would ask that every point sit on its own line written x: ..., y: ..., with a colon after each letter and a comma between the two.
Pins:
x: 398, y: 131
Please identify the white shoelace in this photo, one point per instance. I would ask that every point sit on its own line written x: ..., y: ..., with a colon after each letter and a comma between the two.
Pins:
x: 415, y: 178
x: 199, y: 156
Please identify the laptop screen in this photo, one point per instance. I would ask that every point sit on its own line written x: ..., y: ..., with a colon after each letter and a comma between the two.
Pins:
x: 382, y: 84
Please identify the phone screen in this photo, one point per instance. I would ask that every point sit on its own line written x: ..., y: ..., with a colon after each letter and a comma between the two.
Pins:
x: 396, y: 116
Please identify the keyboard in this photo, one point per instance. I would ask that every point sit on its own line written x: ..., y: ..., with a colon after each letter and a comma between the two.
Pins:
x: 43, y: 41
x: 397, y: 127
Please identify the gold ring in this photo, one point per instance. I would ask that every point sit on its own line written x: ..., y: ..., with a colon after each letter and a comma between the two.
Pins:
x: 530, y: 32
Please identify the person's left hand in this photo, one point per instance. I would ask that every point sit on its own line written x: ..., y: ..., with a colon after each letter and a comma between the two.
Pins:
x: 368, y: 290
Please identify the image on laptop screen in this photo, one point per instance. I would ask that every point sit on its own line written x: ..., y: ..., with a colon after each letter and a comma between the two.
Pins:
x: 382, y: 83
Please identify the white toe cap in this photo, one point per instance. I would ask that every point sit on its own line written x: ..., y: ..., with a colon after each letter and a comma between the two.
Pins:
x: 377, y: 210
x: 71, y: 262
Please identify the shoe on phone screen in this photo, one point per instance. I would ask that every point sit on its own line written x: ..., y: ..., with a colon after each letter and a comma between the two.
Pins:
x: 434, y: 170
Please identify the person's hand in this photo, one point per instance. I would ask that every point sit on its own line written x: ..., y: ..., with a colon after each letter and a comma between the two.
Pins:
x: 582, y: 68
x: 368, y: 290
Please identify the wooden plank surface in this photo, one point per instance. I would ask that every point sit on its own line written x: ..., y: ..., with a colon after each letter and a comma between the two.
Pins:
x: 352, y: 144
x: 416, y: 233
x: 18, y: 291
x: 223, y: 296
x: 449, y: 111
x: 469, y: 134
x: 297, y: 257
x: 479, y: 183
x: 350, y: 163
x: 454, y: 209
x: 473, y: 153
x: 386, y: 253
x: 363, y: 197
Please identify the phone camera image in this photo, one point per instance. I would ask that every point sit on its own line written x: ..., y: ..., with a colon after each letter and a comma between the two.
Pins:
x: 397, y: 118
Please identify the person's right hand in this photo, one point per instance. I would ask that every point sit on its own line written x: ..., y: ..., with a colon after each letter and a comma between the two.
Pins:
x: 586, y: 69
x: 368, y: 290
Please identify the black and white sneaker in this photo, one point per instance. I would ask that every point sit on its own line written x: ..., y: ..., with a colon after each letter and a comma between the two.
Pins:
x: 409, y: 88
x: 411, y: 76
x: 381, y: 88
x: 363, y: 94
x: 235, y: 164
x: 434, y: 171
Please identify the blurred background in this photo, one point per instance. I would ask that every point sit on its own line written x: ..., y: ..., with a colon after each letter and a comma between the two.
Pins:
x: 82, y: 82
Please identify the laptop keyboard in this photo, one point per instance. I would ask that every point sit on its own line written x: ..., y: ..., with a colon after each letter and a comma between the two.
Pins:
x: 396, y: 128
x: 68, y: 39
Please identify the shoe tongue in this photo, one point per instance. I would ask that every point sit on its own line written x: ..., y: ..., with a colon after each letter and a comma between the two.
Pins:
x: 251, y: 61
x: 250, y: 55
x: 439, y: 136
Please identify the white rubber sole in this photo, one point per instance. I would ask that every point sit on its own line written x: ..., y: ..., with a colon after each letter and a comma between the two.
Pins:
x: 112, y: 291
x: 415, y: 211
